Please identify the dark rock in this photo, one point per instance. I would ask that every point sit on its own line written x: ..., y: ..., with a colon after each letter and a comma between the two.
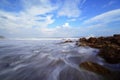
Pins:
x: 110, y: 54
x: 94, y: 67
x: 109, y: 47
x: 2, y: 37
x: 68, y: 41
x: 82, y: 39
x: 116, y: 35
x: 92, y: 40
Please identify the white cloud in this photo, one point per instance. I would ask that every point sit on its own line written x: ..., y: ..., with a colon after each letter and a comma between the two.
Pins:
x: 38, y: 6
x: 24, y: 20
x: 99, y: 25
x: 66, y: 25
x: 66, y: 30
x: 105, y: 18
x: 37, y: 15
x: 33, y: 19
x: 71, y: 8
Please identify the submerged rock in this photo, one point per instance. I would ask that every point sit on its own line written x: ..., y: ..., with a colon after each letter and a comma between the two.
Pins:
x: 67, y: 41
x: 2, y: 37
x: 109, y: 47
x: 94, y: 67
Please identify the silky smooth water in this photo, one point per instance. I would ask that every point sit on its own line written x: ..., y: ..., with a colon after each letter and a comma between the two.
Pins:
x: 45, y: 60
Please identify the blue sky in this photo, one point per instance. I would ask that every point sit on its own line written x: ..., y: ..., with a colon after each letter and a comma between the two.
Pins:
x: 59, y: 18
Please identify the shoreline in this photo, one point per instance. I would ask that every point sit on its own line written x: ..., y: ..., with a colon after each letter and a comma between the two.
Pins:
x: 109, y: 47
x: 109, y: 50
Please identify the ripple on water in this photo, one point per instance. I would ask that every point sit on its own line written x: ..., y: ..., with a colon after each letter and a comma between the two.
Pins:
x: 70, y: 73
x: 40, y: 60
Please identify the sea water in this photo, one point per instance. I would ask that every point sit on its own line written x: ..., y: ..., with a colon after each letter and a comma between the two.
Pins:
x: 45, y: 60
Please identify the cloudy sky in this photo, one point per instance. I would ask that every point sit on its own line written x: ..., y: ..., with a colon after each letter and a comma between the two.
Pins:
x: 59, y: 18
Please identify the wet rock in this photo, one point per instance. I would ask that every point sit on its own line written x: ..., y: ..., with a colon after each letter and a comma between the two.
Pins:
x: 94, y: 67
x: 109, y: 47
x: 110, y: 54
x: 67, y: 41
x: 2, y: 37
x: 92, y: 40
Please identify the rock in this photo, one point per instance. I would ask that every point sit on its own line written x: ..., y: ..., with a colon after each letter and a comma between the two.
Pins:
x: 96, y: 68
x: 2, y: 37
x: 68, y: 41
x: 109, y: 47
x: 110, y: 54
x: 116, y: 35
x: 92, y: 40
x: 82, y: 39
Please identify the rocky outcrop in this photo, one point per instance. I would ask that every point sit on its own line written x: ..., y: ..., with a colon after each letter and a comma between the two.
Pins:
x: 109, y: 47
x: 94, y: 67
x: 100, y: 70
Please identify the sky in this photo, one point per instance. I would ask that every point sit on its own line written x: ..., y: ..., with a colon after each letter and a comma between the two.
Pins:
x: 59, y: 18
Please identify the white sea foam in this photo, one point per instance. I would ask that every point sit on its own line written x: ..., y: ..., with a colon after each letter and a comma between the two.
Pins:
x: 45, y: 60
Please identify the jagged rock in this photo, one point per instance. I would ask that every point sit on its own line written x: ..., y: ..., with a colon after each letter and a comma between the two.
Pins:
x: 109, y: 47
x: 110, y: 54
x: 92, y: 40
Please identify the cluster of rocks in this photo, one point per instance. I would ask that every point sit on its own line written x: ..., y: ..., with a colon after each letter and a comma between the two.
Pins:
x: 109, y: 50
x: 109, y: 47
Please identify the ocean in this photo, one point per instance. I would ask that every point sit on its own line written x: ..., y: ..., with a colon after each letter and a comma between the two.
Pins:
x: 45, y: 60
